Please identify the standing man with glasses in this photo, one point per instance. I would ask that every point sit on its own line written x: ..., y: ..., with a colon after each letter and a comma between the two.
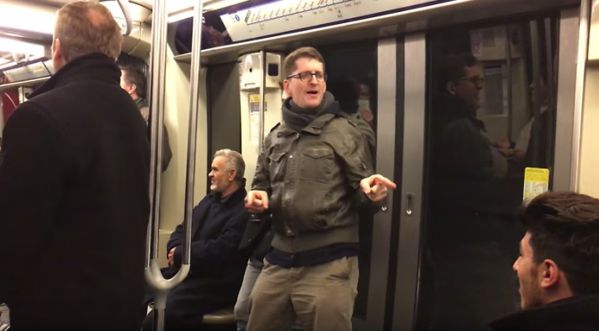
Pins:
x: 314, y: 174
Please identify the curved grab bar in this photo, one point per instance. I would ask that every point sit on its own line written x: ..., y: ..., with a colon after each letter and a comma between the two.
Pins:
x: 124, y: 4
x: 196, y: 46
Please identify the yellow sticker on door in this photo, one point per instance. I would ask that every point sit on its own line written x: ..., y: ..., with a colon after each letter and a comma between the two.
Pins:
x: 536, y: 181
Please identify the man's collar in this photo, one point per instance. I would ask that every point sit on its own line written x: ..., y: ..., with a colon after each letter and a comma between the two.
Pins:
x: 238, y: 194
x: 574, y: 313
x: 315, y: 127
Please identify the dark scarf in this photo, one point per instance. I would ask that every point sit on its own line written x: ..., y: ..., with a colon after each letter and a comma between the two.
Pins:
x: 297, y: 118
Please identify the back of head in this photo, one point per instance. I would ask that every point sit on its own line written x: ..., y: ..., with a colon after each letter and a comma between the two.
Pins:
x: 564, y: 227
x: 85, y: 27
x: 234, y: 162
x: 302, y: 52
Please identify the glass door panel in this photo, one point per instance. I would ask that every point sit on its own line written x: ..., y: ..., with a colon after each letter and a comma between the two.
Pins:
x: 490, y: 114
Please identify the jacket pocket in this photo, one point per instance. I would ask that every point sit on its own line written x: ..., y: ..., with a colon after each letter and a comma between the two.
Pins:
x: 317, y: 164
x: 276, y: 165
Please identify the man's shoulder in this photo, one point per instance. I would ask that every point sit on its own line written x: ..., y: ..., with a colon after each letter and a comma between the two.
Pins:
x: 348, y: 125
x: 30, y: 111
x: 343, y: 121
x: 275, y: 127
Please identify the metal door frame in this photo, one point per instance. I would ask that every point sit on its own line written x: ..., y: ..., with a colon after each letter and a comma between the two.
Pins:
x: 405, y: 294
x: 382, y: 221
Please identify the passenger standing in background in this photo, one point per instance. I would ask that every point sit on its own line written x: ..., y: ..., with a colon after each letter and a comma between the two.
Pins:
x: 314, y: 173
x: 133, y: 81
x: 217, y: 265
x: 558, y: 266
x: 74, y: 188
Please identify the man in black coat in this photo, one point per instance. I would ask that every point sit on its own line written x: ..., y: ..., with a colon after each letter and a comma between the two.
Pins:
x: 217, y: 265
x: 558, y: 266
x: 74, y: 188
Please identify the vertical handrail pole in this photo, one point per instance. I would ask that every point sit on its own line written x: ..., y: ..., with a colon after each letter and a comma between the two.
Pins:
x: 508, y: 57
x: 262, y: 103
x: 196, y: 47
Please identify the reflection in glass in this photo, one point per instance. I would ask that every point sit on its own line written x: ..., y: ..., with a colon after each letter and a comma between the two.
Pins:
x: 481, y: 134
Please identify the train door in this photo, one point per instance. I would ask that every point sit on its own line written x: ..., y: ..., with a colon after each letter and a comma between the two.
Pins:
x: 481, y: 130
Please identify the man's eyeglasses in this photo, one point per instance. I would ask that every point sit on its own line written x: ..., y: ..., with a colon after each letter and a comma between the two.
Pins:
x: 306, y: 76
x: 478, y: 81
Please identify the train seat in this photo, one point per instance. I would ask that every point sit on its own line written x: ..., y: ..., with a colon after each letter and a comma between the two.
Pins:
x: 222, y: 319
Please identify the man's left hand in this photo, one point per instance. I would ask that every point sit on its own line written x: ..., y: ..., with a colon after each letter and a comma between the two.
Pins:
x: 375, y: 187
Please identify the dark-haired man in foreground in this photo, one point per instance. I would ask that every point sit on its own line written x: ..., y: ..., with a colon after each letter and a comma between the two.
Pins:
x: 558, y: 266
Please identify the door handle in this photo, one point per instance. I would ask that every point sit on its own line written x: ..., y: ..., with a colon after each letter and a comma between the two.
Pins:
x: 409, y: 204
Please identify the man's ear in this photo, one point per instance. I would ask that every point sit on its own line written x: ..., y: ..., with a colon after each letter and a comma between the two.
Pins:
x: 549, y: 274
x: 232, y: 174
x: 57, y: 55
x: 451, y: 87
x: 286, y: 88
x: 132, y: 88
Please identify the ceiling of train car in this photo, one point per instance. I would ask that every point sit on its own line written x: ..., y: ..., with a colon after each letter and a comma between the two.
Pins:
x: 37, y: 32
x: 58, y: 3
x: 149, y: 3
x: 22, y: 40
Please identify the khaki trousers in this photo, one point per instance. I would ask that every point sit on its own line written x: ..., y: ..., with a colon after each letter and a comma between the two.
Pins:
x: 320, y: 297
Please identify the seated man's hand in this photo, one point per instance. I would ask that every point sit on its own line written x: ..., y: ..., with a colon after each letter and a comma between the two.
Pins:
x: 256, y: 201
x: 375, y: 187
x: 171, y: 256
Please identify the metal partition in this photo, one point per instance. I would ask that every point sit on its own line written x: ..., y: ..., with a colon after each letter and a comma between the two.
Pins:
x: 382, y: 222
x: 565, y: 139
x: 411, y: 183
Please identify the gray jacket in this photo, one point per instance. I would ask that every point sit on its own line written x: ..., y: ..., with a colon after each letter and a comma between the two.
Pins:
x: 312, y: 178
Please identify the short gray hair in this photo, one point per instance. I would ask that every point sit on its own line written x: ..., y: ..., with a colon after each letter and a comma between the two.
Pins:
x: 234, y: 162
x: 85, y: 27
